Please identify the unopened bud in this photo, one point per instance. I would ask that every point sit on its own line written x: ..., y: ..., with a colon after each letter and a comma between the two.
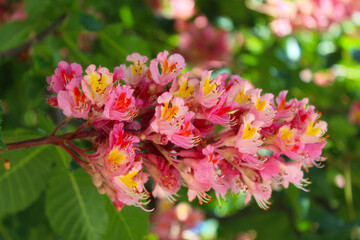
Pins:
x: 110, y: 192
x: 101, y: 190
x: 52, y: 101
x: 97, y: 179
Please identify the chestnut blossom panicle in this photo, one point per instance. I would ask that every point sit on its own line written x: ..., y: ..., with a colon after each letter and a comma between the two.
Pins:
x: 157, y: 122
x: 291, y: 15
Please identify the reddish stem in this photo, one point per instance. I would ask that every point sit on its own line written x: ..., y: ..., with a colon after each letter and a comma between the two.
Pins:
x: 73, y: 155
x: 60, y: 126
x: 55, y: 140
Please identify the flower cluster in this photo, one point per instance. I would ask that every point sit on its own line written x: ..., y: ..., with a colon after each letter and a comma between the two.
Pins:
x: 11, y: 10
x: 216, y: 132
x: 354, y: 113
x: 176, y: 222
x: 318, y: 15
x: 174, y: 9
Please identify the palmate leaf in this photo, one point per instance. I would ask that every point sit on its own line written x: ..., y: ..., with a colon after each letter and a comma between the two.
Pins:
x: 130, y: 223
x: 26, y: 179
x: 74, y: 207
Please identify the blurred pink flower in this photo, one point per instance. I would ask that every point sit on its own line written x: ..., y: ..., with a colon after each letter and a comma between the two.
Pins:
x: 204, y: 45
x: 354, y: 114
x: 291, y: 15
x: 249, y: 235
x: 321, y: 78
x: 340, y: 181
x: 324, y: 78
x: 86, y: 40
x: 171, y: 223
x: 10, y: 11
x: 174, y: 9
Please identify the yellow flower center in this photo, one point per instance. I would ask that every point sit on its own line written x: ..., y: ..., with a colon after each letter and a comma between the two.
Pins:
x: 116, y: 156
x: 207, y: 87
x: 184, y: 90
x: 286, y: 134
x: 249, y: 131
x: 311, y: 130
x: 169, y: 113
x: 260, y: 105
x: 127, y: 179
x: 241, y: 97
x: 98, y: 83
x: 137, y: 69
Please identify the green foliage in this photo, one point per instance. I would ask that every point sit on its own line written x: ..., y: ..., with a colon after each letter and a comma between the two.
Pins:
x: 74, y: 207
x: 13, y: 34
x: 22, y: 184
x: 134, y: 222
x: 282, y: 229
x: 42, y: 197
x: 2, y: 144
x: 34, y: 8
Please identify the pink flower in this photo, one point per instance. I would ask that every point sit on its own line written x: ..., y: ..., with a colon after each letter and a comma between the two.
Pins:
x: 12, y: 10
x: 97, y: 85
x: 248, y: 139
x: 130, y: 188
x: 171, y: 67
x: 261, y: 191
x: 73, y: 101
x: 136, y: 72
x: 285, y: 110
x: 210, y: 90
x: 286, y: 139
x: 181, y: 217
x: 167, y: 177
x: 121, y: 152
x: 238, y: 94
x: 209, y: 134
x: 121, y: 104
x: 63, y: 75
x: 319, y: 15
x: 174, y: 9
x: 182, y: 9
x: 169, y: 117
x: 314, y: 129
x: 184, y: 86
x: 263, y: 108
x: 187, y: 137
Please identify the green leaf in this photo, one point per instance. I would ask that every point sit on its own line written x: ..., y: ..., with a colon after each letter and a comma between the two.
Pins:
x: 26, y: 179
x: 90, y: 22
x: 29, y: 224
x: 130, y: 223
x: 13, y: 34
x: 268, y: 225
x: 34, y: 8
x: 2, y: 144
x: 74, y: 207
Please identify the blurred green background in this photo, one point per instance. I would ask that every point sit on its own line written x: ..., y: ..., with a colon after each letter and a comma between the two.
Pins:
x: 322, y: 66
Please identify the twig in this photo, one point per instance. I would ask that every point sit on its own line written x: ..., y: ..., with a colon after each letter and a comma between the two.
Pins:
x: 77, y: 149
x: 73, y: 155
x: 19, y: 49
x: 60, y: 126
x: 56, y: 140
